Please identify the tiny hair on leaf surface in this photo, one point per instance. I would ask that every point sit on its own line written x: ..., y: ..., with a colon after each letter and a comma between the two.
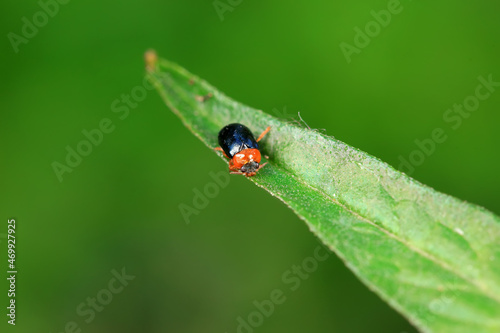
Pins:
x: 432, y: 257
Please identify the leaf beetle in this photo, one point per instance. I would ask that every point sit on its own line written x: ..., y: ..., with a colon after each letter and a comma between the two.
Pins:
x: 239, y: 145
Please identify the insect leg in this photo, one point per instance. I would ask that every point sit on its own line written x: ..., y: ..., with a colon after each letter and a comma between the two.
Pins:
x: 264, y: 133
x: 220, y: 149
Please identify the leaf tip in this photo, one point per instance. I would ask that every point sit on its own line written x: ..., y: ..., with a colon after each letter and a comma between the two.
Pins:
x: 151, y: 60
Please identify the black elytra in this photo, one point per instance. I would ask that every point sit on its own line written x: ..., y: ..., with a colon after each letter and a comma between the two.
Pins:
x: 234, y: 138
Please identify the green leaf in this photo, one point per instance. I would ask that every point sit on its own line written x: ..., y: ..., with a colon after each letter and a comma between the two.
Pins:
x: 434, y: 258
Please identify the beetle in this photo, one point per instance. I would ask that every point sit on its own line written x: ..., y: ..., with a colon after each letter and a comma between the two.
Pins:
x: 239, y: 145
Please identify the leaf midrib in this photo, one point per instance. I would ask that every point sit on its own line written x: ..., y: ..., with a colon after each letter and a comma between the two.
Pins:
x: 415, y: 249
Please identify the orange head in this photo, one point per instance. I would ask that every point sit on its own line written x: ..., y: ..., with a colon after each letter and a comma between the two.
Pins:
x: 246, y: 161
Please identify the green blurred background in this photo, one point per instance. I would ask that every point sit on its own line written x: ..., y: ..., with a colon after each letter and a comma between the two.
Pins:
x: 119, y: 207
